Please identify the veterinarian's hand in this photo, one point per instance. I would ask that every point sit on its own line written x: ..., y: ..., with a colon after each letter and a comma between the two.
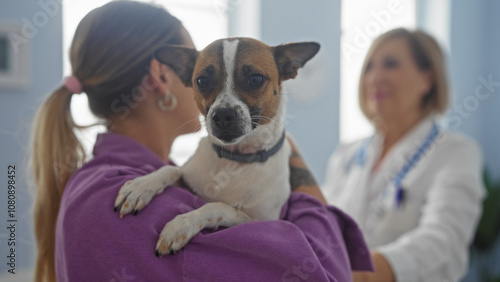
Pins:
x: 136, y: 194
x: 383, y: 271
x: 301, y: 179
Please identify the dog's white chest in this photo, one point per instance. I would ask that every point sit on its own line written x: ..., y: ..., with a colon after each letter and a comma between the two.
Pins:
x: 259, y: 189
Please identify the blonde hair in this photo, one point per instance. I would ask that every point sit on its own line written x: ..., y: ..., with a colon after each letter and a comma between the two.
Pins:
x: 428, y: 57
x: 110, y: 54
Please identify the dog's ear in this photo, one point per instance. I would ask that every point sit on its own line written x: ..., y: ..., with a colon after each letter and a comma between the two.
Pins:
x: 181, y: 59
x: 292, y: 56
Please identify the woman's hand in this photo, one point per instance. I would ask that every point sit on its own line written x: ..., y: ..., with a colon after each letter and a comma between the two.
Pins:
x: 301, y: 179
x: 383, y: 271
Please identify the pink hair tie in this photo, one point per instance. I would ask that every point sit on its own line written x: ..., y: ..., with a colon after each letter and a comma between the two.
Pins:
x: 73, y: 84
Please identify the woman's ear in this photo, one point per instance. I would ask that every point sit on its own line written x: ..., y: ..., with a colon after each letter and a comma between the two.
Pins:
x: 157, y: 78
x: 180, y: 59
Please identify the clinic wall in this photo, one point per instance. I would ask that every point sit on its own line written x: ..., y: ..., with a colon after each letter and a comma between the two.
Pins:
x: 474, y: 57
x: 313, y: 98
x: 474, y: 45
x: 466, y: 41
x: 490, y: 140
x: 17, y: 108
x: 467, y: 31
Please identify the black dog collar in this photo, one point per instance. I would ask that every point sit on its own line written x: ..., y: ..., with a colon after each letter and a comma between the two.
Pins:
x: 259, y: 156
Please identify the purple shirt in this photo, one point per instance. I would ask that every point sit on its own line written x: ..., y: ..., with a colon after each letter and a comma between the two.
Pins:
x: 312, y: 242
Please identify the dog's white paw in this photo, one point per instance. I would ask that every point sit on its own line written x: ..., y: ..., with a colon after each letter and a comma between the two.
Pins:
x: 135, y: 194
x: 176, y: 234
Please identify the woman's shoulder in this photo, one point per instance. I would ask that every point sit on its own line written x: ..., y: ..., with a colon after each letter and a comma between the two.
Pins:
x: 91, y: 192
x: 343, y: 154
x: 88, y: 226
x: 101, y: 175
x: 454, y: 146
x: 347, y: 149
x: 457, y: 139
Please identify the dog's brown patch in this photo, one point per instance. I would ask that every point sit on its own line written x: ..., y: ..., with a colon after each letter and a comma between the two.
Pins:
x: 163, y: 248
x: 256, y: 58
x: 210, y: 65
x: 219, y: 219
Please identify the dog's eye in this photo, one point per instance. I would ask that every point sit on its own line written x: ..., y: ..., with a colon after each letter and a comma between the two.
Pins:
x: 203, y: 82
x: 256, y: 80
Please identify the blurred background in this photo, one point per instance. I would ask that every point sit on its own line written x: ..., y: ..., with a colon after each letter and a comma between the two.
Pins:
x: 322, y: 109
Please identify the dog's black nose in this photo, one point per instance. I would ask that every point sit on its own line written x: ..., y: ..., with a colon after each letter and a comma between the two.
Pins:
x: 224, y: 118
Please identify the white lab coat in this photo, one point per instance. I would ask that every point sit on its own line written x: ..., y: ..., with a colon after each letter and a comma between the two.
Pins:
x: 427, y: 237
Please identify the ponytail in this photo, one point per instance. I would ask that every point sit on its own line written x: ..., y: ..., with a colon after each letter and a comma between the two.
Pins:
x: 56, y: 154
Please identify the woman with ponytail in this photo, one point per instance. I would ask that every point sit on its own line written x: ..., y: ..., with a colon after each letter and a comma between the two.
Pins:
x: 145, y: 107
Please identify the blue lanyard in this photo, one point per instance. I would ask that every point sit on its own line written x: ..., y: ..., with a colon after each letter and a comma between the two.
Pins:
x: 412, y: 162
x: 359, y: 158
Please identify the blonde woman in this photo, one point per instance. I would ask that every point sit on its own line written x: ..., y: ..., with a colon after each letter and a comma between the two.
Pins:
x: 414, y: 187
x: 145, y: 105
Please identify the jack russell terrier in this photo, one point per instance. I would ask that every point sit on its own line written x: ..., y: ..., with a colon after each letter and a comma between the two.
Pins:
x: 237, y: 87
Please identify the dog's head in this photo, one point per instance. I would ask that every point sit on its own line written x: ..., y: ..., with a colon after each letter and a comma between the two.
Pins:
x: 237, y: 81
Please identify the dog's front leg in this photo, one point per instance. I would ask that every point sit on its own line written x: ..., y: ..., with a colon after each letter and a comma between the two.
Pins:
x: 183, y: 227
x: 135, y: 194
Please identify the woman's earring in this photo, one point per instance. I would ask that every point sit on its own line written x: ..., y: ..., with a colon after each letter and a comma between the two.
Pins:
x: 170, y: 100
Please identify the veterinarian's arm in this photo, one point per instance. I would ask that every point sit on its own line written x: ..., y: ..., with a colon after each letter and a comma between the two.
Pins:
x: 301, y: 178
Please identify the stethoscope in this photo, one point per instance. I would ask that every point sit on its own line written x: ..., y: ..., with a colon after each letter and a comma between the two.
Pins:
x: 359, y: 159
